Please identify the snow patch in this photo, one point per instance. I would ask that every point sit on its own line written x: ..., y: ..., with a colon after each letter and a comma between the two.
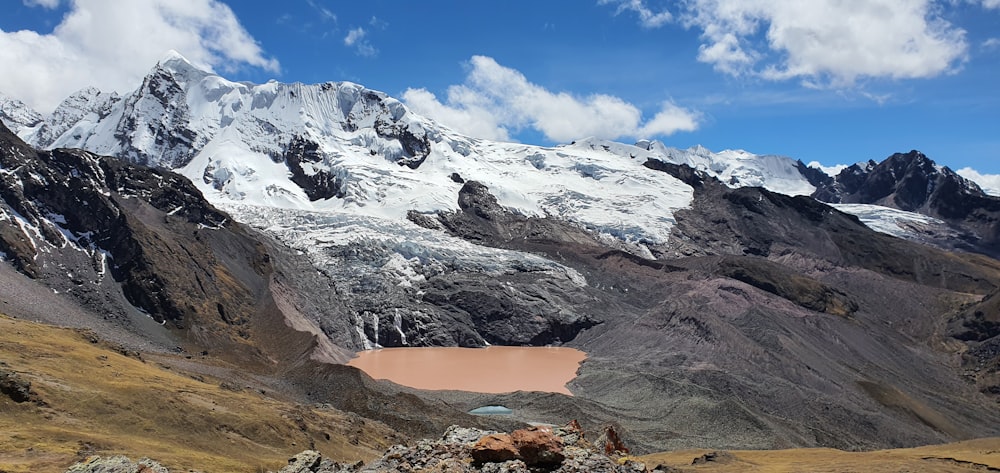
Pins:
x: 831, y: 171
x: 887, y: 220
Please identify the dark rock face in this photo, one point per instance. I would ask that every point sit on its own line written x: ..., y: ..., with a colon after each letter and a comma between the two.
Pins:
x: 318, y: 184
x: 816, y: 177
x: 912, y: 182
x: 15, y: 387
x: 71, y: 217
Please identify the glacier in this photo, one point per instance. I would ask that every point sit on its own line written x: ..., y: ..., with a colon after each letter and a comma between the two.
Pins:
x: 346, y: 157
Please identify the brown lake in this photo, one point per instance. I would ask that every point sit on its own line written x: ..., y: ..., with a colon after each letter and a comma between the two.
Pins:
x: 494, y: 369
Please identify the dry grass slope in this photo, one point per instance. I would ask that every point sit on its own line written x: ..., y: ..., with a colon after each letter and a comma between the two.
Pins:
x: 98, y: 401
x: 961, y: 457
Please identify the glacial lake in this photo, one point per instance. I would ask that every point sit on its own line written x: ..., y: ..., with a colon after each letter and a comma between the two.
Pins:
x: 494, y: 369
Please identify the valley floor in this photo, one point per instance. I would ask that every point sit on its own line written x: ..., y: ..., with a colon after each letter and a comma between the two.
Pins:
x: 87, y: 397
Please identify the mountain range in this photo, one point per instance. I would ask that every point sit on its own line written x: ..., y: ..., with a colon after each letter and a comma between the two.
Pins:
x: 724, y: 299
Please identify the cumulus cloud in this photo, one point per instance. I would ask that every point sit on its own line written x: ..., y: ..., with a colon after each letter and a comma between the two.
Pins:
x: 355, y: 35
x: 827, y: 42
x: 823, y: 43
x: 989, y: 182
x: 356, y: 38
x: 495, y: 101
x: 647, y: 17
x: 112, y: 44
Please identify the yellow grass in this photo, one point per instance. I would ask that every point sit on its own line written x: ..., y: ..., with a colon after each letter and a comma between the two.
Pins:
x: 961, y: 457
x: 101, y: 402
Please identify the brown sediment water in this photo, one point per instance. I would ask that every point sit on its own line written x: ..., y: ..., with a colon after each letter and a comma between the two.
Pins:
x: 494, y: 369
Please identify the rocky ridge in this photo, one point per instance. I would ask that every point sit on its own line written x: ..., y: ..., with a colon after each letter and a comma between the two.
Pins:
x: 914, y: 183
x: 534, y: 450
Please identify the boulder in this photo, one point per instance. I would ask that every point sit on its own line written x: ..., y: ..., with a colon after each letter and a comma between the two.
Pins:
x: 116, y: 464
x: 534, y: 446
x: 537, y: 446
x: 305, y: 462
x: 494, y: 448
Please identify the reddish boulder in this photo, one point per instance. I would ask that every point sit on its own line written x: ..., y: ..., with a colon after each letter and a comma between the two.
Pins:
x: 533, y: 446
x: 538, y: 446
x: 494, y: 448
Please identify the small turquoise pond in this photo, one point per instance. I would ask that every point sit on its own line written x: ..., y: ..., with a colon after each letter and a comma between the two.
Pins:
x: 491, y: 411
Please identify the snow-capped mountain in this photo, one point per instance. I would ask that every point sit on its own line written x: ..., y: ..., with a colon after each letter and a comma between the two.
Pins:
x: 342, y: 147
x: 339, y: 147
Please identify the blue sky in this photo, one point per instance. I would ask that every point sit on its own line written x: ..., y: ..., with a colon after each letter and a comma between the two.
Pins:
x: 817, y: 81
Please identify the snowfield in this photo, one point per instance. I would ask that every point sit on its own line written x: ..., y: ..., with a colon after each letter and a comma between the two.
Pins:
x: 233, y: 140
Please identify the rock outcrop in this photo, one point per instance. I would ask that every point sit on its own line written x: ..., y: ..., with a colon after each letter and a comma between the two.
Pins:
x: 116, y: 464
x: 15, y: 387
x: 539, y: 449
x: 459, y: 450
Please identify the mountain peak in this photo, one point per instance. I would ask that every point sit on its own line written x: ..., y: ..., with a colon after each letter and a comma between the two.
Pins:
x: 177, y: 64
x: 173, y: 56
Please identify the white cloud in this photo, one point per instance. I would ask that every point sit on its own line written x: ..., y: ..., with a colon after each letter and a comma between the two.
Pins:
x: 823, y: 43
x: 647, y: 17
x: 989, y: 182
x: 112, y: 44
x: 991, y: 3
x: 827, y: 42
x: 355, y: 35
x: 356, y: 38
x: 42, y: 3
x: 324, y: 12
x: 991, y: 43
x: 495, y: 100
x: 669, y: 120
x: 475, y: 121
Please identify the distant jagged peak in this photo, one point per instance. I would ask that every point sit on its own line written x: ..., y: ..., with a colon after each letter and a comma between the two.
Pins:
x: 87, y: 102
x: 908, y: 181
x: 911, y: 160
x: 16, y: 114
x: 916, y: 162
x: 83, y: 99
